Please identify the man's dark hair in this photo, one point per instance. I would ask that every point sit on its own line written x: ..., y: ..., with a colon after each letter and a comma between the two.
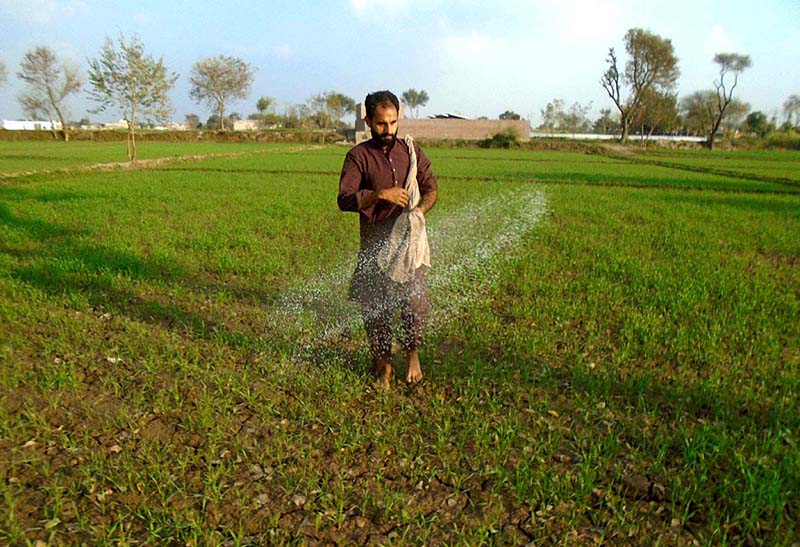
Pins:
x: 380, y: 98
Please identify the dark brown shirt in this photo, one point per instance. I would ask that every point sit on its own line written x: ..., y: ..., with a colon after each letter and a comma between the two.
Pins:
x: 367, y: 168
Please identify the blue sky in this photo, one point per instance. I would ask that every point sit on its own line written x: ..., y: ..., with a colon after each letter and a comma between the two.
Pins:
x: 476, y: 58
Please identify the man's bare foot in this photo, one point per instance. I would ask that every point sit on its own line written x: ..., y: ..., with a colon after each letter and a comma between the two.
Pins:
x: 414, y: 373
x: 383, y: 370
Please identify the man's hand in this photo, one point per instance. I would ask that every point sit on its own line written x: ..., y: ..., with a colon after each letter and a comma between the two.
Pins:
x: 394, y: 195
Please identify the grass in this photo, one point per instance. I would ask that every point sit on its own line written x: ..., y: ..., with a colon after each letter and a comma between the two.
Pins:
x: 606, y: 364
x: 33, y: 156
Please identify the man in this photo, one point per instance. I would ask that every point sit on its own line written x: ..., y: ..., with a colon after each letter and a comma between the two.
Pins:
x: 374, y: 184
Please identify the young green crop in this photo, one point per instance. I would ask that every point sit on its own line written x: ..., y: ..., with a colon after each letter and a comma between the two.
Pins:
x: 178, y: 361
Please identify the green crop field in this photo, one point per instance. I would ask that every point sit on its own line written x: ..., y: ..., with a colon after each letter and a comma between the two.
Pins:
x: 612, y: 356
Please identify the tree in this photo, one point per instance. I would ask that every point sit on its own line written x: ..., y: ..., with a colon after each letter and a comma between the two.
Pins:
x: 728, y: 62
x: 2, y: 73
x: 49, y: 85
x: 264, y: 104
x: 575, y: 120
x: 698, y: 112
x: 555, y: 118
x: 659, y: 112
x: 213, y: 124
x: 606, y: 124
x: 219, y: 80
x: 415, y: 99
x: 192, y: 121
x: 791, y: 109
x: 510, y: 115
x: 327, y: 108
x: 652, y: 66
x: 551, y: 114
x: 134, y: 82
x: 758, y: 123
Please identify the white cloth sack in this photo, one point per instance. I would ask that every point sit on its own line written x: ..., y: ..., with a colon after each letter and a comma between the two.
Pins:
x: 406, y: 249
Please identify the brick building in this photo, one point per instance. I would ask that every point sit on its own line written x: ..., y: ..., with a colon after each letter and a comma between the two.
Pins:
x: 445, y: 127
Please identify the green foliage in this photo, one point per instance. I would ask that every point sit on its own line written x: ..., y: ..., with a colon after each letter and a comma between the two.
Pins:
x: 218, y: 80
x: 758, y: 123
x: 787, y: 140
x: 326, y: 109
x: 509, y: 115
x: 126, y: 78
x: 49, y: 84
x: 651, y: 67
x: 507, y: 138
x: 415, y: 99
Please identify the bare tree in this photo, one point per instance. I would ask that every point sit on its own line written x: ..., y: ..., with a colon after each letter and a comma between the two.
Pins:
x: 127, y: 78
x: 219, y: 80
x: 49, y: 84
x: 728, y: 63
x: 652, y: 66
x: 415, y: 99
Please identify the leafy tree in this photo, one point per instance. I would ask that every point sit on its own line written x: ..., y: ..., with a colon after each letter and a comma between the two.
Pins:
x: 555, y: 118
x: 652, y: 66
x: 127, y: 78
x: 415, y: 99
x: 551, y: 114
x: 219, y: 80
x: 758, y: 123
x: 49, y: 85
x: 791, y: 109
x: 659, y: 113
x: 213, y: 124
x: 606, y: 124
x: 698, y: 112
x: 264, y: 104
x: 728, y: 63
x: 326, y: 109
x: 510, y: 115
x: 575, y: 120
x: 192, y: 121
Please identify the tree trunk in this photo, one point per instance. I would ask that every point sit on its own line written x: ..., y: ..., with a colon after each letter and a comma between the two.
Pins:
x: 132, y: 137
x: 64, y: 133
x: 624, y: 136
x: 221, y: 117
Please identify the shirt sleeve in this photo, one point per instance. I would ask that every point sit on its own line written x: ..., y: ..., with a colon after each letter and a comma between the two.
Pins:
x: 350, y: 193
x: 425, y: 177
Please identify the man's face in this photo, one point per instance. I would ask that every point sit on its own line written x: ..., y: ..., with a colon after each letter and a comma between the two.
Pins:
x: 383, y: 124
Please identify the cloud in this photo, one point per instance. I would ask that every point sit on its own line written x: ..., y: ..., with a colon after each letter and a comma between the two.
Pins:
x: 717, y: 41
x: 42, y: 12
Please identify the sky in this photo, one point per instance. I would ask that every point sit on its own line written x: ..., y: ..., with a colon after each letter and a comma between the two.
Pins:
x: 473, y: 58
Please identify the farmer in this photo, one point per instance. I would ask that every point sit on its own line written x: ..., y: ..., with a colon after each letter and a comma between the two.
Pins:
x: 391, y: 187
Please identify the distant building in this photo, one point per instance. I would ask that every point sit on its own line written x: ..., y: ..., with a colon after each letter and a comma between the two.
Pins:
x: 121, y: 124
x: 30, y: 125
x: 246, y: 125
x: 445, y: 126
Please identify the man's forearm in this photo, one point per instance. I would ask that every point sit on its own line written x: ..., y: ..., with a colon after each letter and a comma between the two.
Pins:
x: 427, y: 201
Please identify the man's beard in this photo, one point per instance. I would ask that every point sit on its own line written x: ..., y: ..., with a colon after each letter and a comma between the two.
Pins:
x: 384, y: 140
